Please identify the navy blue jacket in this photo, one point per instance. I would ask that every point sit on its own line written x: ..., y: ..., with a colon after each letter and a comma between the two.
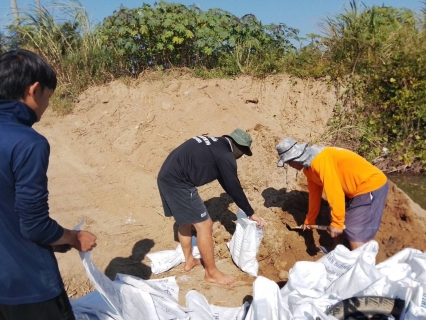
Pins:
x: 201, y: 160
x: 28, y: 268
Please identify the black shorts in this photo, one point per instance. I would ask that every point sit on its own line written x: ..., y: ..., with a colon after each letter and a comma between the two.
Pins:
x: 58, y: 308
x: 364, y: 214
x: 184, y: 204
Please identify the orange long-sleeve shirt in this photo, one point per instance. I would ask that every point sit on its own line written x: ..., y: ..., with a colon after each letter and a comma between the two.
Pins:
x: 339, y: 172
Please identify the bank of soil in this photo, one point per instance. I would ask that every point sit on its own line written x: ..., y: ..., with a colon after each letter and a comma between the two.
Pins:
x: 106, y: 155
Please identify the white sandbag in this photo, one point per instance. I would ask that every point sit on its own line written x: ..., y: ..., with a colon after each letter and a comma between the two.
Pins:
x: 395, y: 285
x: 415, y: 313
x: 402, y: 256
x: 418, y: 267
x: 104, y: 286
x: 267, y: 302
x: 132, y: 298
x: 163, y: 293
x: 417, y: 308
x: 304, y: 290
x: 124, y: 299
x: 245, y: 243
x: 312, y: 308
x: 306, y: 279
x: 358, y: 278
x: 412, y: 257
x: 341, y: 259
x: 406, y: 279
x: 162, y: 261
x: 93, y: 307
x: 223, y: 313
x: 201, y: 310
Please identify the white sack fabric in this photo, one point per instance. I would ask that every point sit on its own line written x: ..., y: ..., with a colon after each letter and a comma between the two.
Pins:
x: 202, y: 310
x: 313, y: 288
x: 162, y: 261
x: 267, y: 302
x: 245, y: 243
x: 128, y: 297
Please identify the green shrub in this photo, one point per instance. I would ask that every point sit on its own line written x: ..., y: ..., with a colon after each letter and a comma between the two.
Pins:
x: 382, y: 49
x: 173, y: 35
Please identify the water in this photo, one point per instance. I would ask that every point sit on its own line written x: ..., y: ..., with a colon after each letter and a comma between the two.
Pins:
x: 413, y: 185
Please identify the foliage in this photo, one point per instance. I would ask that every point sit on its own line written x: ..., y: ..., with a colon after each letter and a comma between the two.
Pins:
x: 173, y: 35
x: 308, y: 61
x: 2, y: 43
x: 379, y: 54
x: 71, y: 47
x: 374, y: 55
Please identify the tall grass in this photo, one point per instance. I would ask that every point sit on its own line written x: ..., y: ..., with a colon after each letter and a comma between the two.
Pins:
x: 62, y: 34
x: 378, y: 52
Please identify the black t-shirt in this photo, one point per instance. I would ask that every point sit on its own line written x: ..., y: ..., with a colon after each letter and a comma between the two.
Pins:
x: 201, y: 160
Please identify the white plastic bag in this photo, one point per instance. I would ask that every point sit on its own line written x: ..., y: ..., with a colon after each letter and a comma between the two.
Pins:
x: 201, y: 310
x: 129, y: 297
x: 267, y: 302
x: 162, y: 261
x: 92, y: 306
x: 104, y: 286
x: 341, y: 259
x: 245, y: 243
x: 358, y: 278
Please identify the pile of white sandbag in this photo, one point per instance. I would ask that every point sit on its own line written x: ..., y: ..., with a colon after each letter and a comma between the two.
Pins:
x: 310, y: 293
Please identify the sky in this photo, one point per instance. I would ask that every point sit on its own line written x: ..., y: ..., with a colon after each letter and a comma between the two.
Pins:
x: 305, y: 15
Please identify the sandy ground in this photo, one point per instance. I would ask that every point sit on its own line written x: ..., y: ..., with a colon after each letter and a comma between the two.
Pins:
x: 106, y: 155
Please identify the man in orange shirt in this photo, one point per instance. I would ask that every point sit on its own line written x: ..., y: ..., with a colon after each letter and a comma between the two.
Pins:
x: 355, y: 189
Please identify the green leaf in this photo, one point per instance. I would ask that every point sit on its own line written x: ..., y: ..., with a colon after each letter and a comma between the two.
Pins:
x: 177, y: 40
x: 189, y: 34
x: 143, y: 29
x: 208, y: 51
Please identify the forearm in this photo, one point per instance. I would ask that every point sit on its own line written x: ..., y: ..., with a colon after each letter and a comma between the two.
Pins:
x: 68, y: 237
x: 338, y: 219
x: 315, y: 196
x: 38, y: 227
x: 336, y: 200
x: 80, y: 240
x: 235, y: 191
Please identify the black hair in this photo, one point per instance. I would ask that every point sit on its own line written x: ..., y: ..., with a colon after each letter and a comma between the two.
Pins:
x: 20, y: 69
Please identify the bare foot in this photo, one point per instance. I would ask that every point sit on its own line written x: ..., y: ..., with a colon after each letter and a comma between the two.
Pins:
x: 191, y: 263
x: 219, y: 278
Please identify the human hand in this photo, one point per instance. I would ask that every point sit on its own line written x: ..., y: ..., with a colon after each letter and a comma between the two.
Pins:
x: 305, y: 227
x: 334, y: 232
x: 260, y: 222
x: 86, y: 241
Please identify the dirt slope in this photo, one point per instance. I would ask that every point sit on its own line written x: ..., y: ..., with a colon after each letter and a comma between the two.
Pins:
x: 106, y: 155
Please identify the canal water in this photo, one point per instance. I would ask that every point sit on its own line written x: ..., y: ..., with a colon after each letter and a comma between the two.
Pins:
x: 413, y: 185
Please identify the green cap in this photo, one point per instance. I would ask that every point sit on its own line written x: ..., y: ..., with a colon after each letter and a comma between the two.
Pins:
x: 242, y: 138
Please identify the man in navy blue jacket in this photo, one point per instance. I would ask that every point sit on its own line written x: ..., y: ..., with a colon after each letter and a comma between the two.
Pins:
x: 31, y: 286
x: 198, y: 161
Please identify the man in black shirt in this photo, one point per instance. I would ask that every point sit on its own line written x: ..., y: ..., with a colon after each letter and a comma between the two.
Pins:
x: 196, y: 162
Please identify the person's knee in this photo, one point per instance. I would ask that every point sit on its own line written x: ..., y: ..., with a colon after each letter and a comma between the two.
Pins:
x: 355, y: 244
x: 204, y: 226
x: 185, y: 229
